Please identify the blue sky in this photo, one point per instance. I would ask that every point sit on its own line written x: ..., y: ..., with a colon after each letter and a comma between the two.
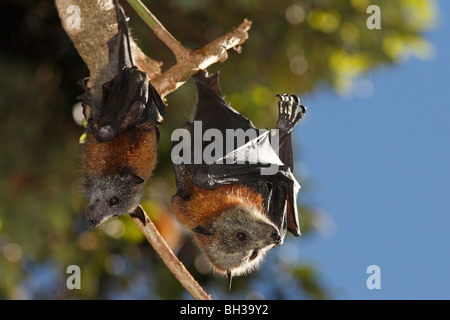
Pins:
x: 380, y: 169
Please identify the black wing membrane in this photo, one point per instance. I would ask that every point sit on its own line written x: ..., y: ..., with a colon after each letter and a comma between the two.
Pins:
x: 212, y: 110
x: 278, y: 189
x: 128, y: 99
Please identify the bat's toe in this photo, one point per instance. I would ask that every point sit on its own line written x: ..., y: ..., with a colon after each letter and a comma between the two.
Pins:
x: 290, y: 111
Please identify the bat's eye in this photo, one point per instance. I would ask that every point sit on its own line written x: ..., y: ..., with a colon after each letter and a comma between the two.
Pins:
x: 114, y: 201
x: 242, y: 236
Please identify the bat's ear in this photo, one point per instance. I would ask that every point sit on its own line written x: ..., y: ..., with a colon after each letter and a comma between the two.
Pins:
x: 130, y: 175
x: 207, y: 230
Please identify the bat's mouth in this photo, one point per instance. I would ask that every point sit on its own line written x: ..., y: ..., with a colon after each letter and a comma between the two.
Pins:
x: 253, y: 255
x: 96, y: 221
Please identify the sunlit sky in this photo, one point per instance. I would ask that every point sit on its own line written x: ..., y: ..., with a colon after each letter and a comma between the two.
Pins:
x: 378, y: 165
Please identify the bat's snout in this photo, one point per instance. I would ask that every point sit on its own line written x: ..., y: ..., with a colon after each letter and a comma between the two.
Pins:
x: 94, y: 216
x: 276, y: 237
x: 93, y: 222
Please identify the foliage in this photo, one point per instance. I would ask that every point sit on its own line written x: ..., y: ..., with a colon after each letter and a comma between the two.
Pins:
x: 294, y: 46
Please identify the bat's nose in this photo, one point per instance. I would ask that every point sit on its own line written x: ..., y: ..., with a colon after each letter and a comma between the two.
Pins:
x: 105, y: 133
x: 93, y: 222
x: 275, y: 235
x: 91, y: 213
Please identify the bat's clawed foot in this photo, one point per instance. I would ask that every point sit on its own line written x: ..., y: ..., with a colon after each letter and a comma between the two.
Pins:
x: 290, y: 112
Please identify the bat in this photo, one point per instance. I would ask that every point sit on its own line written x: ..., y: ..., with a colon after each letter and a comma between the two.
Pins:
x: 119, y: 152
x: 236, y: 211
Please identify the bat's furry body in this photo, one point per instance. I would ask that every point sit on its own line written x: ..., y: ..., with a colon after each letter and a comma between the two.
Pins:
x: 236, y: 214
x: 119, y: 153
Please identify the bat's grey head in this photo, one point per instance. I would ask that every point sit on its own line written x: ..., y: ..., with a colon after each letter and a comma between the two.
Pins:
x: 112, y: 195
x: 238, y: 240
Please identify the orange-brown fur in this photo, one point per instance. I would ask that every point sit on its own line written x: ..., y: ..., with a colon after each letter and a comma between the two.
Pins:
x: 134, y: 147
x: 204, y: 206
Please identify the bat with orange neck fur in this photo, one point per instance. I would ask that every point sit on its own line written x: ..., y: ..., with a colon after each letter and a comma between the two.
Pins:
x: 119, y: 152
x: 236, y: 213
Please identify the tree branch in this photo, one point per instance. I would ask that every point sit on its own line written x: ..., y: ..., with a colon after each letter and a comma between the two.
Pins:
x: 189, y: 62
x: 201, y: 59
x: 97, y: 24
x: 159, y: 244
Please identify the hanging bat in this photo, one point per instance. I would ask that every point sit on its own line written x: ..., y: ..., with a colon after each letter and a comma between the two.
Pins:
x: 236, y: 210
x: 119, y: 152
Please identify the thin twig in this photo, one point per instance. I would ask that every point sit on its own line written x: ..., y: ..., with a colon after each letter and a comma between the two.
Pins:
x: 161, y: 32
x: 170, y: 259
